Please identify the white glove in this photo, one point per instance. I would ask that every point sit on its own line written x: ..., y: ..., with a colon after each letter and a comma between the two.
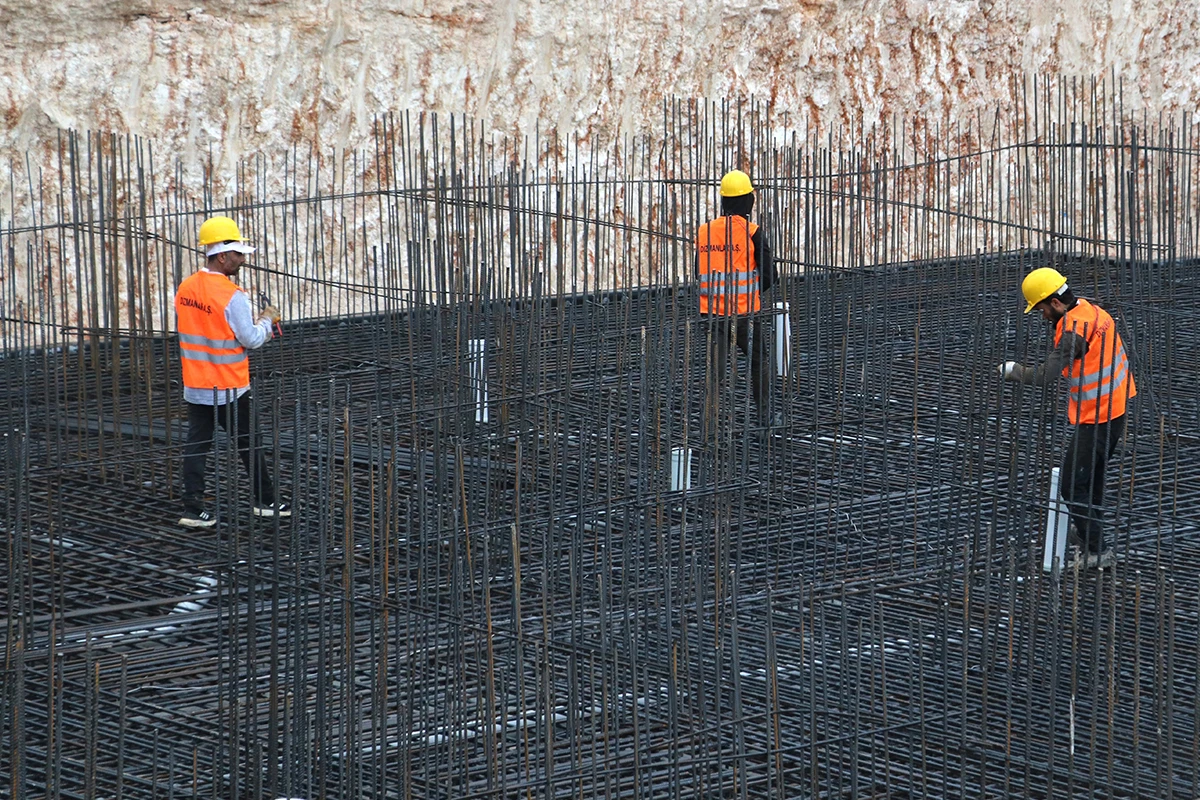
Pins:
x: 1007, y: 369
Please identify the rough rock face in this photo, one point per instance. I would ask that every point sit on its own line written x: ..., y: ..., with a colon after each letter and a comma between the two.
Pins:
x: 233, y: 96
x: 253, y: 76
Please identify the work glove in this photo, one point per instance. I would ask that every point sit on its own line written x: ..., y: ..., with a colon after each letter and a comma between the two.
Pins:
x: 1010, y: 370
x: 269, y: 312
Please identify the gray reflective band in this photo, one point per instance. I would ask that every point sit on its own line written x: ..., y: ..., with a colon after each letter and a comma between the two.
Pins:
x: 1102, y: 390
x: 728, y: 283
x: 204, y: 341
x: 200, y: 355
x: 1118, y: 359
x: 1106, y: 386
x: 743, y: 291
x: 731, y: 296
x: 731, y: 284
x: 718, y: 274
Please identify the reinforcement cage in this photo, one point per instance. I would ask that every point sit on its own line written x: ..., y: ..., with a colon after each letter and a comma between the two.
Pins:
x: 538, y: 548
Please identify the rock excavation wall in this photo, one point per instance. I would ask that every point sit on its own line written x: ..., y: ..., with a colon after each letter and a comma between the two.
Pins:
x: 232, y: 79
x: 273, y: 100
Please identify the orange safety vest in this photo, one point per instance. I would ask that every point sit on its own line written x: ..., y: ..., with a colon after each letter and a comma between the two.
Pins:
x: 727, y: 266
x: 1100, y: 383
x: 211, y: 354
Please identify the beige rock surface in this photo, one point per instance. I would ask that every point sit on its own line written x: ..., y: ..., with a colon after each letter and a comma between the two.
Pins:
x: 267, y: 83
x: 260, y: 76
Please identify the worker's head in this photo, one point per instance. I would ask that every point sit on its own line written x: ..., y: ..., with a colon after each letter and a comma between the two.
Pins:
x: 1046, y: 290
x: 737, y: 193
x: 224, y: 245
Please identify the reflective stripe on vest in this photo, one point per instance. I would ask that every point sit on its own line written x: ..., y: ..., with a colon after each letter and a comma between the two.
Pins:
x: 1100, y: 383
x: 204, y: 341
x: 728, y: 277
x: 211, y: 355
x: 1114, y: 376
x: 212, y: 358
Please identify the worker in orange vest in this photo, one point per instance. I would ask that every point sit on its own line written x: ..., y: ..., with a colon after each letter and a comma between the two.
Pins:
x: 1090, y: 354
x: 734, y: 267
x: 216, y: 328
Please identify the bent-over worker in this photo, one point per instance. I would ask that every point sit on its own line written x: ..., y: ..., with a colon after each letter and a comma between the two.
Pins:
x: 1090, y: 354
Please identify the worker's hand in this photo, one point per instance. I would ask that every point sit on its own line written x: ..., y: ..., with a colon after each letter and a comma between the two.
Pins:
x: 1009, y: 370
x: 269, y: 312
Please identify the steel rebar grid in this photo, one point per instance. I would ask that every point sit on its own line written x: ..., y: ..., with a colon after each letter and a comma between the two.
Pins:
x: 850, y: 606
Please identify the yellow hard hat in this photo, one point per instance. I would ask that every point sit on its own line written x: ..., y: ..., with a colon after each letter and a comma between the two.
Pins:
x: 735, y: 184
x: 1040, y: 284
x: 219, y: 229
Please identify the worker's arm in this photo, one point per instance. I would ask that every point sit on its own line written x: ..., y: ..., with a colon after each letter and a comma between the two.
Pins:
x: 1070, y: 348
x: 250, y: 333
x: 764, y: 260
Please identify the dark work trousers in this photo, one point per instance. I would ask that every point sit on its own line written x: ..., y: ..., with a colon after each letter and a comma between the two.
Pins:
x: 201, y: 428
x: 720, y: 331
x: 1082, y: 478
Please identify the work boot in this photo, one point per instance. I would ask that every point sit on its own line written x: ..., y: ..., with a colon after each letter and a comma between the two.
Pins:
x: 1101, y: 560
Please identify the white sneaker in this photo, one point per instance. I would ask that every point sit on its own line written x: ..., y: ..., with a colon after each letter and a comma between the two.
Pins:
x: 272, y: 510
x: 197, y: 519
x: 1092, y: 560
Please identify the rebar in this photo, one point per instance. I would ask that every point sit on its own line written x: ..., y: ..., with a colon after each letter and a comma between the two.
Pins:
x: 496, y: 583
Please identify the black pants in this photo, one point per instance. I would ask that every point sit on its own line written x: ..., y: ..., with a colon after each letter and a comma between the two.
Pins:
x: 720, y: 331
x: 1081, y: 481
x: 201, y: 427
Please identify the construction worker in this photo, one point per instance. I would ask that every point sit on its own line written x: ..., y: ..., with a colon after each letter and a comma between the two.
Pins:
x: 734, y: 267
x: 216, y: 328
x: 1089, y: 353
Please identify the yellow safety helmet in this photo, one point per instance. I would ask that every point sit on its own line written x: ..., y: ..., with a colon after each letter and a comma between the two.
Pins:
x: 219, y: 229
x: 735, y: 184
x: 1040, y: 284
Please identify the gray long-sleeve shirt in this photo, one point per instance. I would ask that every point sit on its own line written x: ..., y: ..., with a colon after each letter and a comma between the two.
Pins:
x: 1071, y: 348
